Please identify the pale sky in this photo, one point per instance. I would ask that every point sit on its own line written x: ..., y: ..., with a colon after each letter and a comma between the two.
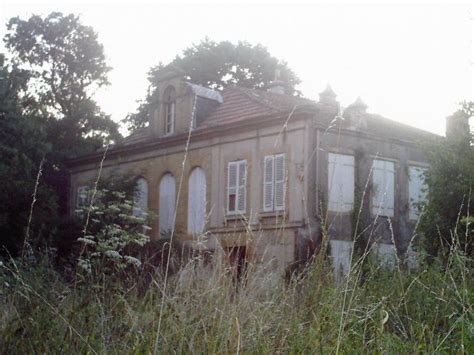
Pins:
x: 409, y: 62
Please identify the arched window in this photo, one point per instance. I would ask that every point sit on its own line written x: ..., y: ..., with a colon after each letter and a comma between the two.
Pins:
x: 140, y: 198
x: 197, y: 201
x: 167, y: 204
x: 169, y: 101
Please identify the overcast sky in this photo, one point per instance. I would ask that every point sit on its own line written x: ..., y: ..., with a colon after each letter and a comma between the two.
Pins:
x: 409, y: 62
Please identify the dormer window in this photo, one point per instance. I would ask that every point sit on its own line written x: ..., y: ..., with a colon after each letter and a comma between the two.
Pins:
x: 169, y: 101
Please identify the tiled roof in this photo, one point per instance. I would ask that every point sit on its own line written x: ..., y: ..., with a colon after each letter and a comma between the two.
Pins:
x: 243, y: 104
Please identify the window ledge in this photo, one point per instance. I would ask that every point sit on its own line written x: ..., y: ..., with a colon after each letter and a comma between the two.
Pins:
x: 271, y: 214
x: 236, y: 217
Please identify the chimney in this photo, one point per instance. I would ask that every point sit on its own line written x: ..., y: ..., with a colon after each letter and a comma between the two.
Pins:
x: 457, y: 127
x: 356, y: 112
x: 277, y: 86
x: 328, y: 105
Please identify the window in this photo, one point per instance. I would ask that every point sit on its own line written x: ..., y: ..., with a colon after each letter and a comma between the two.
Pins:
x: 237, y: 187
x: 340, y: 182
x: 416, y: 189
x: 169, y: 101
x: 274, y: 183
x: 167, y: 204
x: 140, y: 198
x: 197, y: 201
x: 383, y: 182
x: 82, y: 198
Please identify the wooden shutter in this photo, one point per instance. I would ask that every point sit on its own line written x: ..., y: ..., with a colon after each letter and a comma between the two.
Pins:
x: 140, y: 200
x: 268, y: 183
x: 82, y: 198
x: 340, y: 182
x: 383, y: 181
x: 242, y: 186
x: 416, y: 189
x: 280, y: 176
x: 197, y: 190
x: 167, y: 203
x: 232, y: 187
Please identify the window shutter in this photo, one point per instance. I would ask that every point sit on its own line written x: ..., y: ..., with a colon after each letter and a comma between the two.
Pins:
x: 383, y: 180
x: 416, y: 189
x: 242, y: 188
x: 140, y: 200
x: 197, y: 203
x: 167, y: 203
x: 82, y: 196
x: 232, y: 187
x: 340, y: 182
x: 268, y: 184
x: 279, y: 168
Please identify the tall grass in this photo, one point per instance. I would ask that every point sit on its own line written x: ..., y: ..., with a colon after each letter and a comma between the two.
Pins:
x: 205, y: 311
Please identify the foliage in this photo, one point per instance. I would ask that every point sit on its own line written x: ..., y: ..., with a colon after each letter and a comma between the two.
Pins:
x: 429, y: 310
x: 66, y: 65
x: 450, y: 181
x: 112, y: 227
x: 23, y: 145
x: 218, y: 65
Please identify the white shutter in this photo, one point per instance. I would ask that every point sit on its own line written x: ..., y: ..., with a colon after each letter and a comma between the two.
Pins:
x: 242, y: 189
x: 268, y: 184
x: 82, y: 198
x: 383, y: 181
x: 232, y: 187
x: 279, y: 168
x: 416, y: 189
x: 167, y: 203
x: 140, y: 198
x: 197, y: 189
x: 340, y: 182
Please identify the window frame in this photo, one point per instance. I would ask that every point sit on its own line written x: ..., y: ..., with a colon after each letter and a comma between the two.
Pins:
x: 238, y: 187
x: 413, y: 213
x: 169, y: 110
x: 342, y: 207
x: 274, y: 207
x: 376, y: 209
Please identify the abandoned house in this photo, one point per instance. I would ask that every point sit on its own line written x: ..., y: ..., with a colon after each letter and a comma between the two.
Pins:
x: 267, y: 172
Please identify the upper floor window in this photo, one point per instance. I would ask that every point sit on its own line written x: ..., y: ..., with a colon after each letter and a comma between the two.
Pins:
x: 416, y: 189
x: 237, y: 187
x: 340, y: 182
x: 274, y: 181
x: 383, y: 183
x: 140, y: 198
x: 169, y: 101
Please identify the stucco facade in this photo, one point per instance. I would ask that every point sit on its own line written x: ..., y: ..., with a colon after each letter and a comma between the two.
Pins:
x: 213, y: 129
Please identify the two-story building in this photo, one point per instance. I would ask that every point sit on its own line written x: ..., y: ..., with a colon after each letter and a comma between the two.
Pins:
x: 267, y: 172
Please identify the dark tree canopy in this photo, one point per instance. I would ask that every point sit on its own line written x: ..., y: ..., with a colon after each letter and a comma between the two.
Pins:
x: 220, y: 64
x: 66, y: 65
x: 23, y: 145
x: 448, y: 219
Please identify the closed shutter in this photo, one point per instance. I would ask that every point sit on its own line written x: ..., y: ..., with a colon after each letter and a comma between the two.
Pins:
x: 383, y: 181
x: 416, y: 189
x: 280, y: 176
x: 167, y: 204
x: 242, y: 189
x: 82, y: 199
x: 268, y: 184
x: 340, y: 182
x: 232, y: 187
x: 140, y: 200
x: 197, y: 190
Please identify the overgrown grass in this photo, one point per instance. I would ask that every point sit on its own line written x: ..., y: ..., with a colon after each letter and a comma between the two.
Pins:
x: 204, y: 311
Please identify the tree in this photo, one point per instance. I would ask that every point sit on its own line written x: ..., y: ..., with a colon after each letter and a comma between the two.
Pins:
x: 219, y: 65
x: 66, y: 65
x: 23, y: 146
x: 447, y: 217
